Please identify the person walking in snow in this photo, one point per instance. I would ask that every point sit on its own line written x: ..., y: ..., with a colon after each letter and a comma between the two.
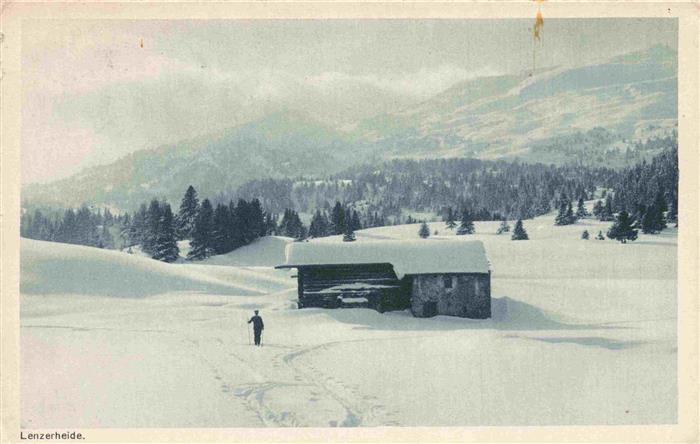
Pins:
x: 258, y: 327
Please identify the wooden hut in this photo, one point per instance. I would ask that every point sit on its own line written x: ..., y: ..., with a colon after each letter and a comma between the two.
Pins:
x: 431, y: 277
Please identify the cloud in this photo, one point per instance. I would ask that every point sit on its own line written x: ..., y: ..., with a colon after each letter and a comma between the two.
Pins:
x: 421, y: 84
x: 119, y: 108
x: 96, y: 91
x: 55, y: 152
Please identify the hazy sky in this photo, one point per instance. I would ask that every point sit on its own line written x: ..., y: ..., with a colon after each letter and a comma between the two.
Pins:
x: 94, y: 91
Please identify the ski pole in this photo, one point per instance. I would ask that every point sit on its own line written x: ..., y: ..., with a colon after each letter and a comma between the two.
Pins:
x: 248, y: 330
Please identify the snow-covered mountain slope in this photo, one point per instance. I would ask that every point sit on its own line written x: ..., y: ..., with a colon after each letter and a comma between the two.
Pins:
x: 583, y: 332
x: 630, y: 97
x: 554, y: 116
x: 286, y: 144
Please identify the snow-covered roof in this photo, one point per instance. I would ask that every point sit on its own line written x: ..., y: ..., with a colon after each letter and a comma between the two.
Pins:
x: 422, y: 256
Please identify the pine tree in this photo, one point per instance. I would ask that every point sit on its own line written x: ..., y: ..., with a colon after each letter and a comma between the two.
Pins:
x: 137, y: 230
x: 243, y: 220
x: 585, y: 235
x: 125, y: 227
x: 519, y: 232
x: 106, y: 240
x: 285, y: 226
x: 236, y: 228
x: 165, y: 248
x: 37, y: 226
x: 504, y: 227
x: 108, y: 218
x: 25, y: 223
x: 581, y: 211
x: 270, y: 224
x: 222, y: 239
x: 450, y: 219
x: 424, y: 231
x: 355, y: 223
x: 660, y: 207
x: 349, y: 235
x: 566, y: 214
x: 319, y: 225
x: 302, y: 232
x: 66, y: 229
x: 600, y: 236
x: 256, y: 219
x: 251, y: 220
x: 201, y: 243
x: 570, y: 216
x: 338, y: 219
x: 467, y: 224
x: 653, y: 220
x: 622, y: 230
x: 672, y: 215
x: 291, y: 225
x: 189, y: 207
x: 84, y: 229
x: 647, y: 220
x: 560, y: 219
x: 607, y: 213
x: 152, y: 227
x: 598, y: 209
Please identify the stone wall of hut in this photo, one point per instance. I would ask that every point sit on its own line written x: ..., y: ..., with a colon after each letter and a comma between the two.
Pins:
x: 464, y: 295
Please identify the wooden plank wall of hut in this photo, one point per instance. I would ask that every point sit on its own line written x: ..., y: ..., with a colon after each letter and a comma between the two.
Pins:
x: 316, y: 285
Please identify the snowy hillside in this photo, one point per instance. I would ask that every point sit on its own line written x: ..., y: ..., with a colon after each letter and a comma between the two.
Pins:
x: 506, y: 116
x: 583, y: 332
x: 54, y: 268
x: 285, y: 144
x: 264, y: 252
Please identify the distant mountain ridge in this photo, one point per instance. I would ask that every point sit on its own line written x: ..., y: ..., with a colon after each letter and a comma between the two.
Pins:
x: 496, y: 117
x: 588, y: 114
x: 281, y: 145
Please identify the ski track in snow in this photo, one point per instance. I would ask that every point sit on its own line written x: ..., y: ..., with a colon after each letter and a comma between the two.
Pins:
x: 286, y: 370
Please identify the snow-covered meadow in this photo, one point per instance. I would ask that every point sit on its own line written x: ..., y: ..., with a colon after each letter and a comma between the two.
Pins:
x: 583, y: 332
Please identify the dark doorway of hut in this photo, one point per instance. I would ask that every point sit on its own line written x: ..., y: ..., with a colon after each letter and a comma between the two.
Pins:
x: 430, y: 309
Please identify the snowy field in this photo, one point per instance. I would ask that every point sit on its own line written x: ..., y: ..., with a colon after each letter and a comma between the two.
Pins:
x: 583, y: 332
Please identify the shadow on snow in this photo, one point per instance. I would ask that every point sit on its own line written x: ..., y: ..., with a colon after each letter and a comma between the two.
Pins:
x: 506, y: 314
x: 589, y: 341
